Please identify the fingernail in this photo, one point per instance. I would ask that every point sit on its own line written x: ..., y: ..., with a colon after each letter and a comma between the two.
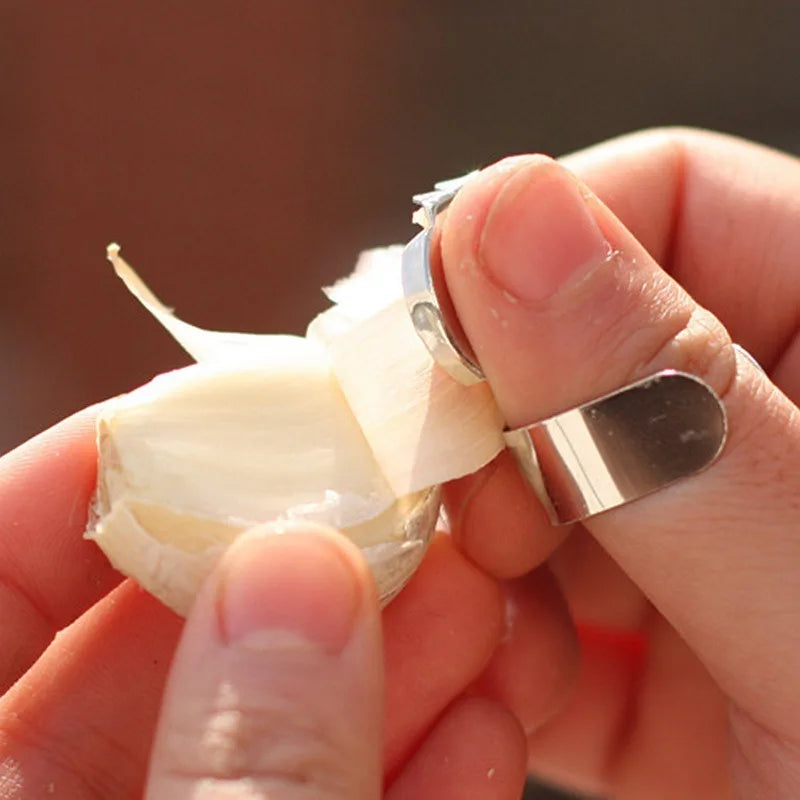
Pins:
x: 540, y: 233
x: 296, y: 580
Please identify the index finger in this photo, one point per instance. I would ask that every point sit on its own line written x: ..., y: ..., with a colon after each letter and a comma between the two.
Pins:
x: 49, y: 574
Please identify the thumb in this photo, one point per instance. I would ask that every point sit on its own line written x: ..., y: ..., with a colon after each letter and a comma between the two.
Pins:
x: 276, y: 688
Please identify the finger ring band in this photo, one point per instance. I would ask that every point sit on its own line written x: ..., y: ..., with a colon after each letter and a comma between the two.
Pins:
x: 597, y: 456
x: 622, y: 446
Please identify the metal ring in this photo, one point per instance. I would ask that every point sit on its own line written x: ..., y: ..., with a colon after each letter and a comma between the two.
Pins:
x: 622, y: 446
x: 597, y: 456
x: 420, y: 294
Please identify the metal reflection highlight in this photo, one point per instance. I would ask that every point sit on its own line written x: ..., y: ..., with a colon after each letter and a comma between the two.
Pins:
x: 621, y: 447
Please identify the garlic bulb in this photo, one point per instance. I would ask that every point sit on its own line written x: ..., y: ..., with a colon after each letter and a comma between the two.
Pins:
x: 353, y: 425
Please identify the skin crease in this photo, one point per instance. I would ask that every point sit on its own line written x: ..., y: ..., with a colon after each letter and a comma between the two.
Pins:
x: 653, y: 656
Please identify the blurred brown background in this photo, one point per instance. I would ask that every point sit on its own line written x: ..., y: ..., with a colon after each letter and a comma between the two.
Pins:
x: 244, y: 152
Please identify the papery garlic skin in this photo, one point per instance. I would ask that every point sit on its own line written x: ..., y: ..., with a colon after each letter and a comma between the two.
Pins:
x: 400, y: 396
x: 353, y: 425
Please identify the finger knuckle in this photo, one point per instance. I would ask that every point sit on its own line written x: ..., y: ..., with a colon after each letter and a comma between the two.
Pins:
x: 699, y: 345
x: 643, y: 326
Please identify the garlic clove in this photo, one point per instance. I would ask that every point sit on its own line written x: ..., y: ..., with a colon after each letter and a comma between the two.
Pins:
x: 244, y: 442
x: 353, y: 426
x: 199, y: 455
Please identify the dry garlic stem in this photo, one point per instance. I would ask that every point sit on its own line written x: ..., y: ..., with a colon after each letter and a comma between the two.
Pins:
x: 352, y: 425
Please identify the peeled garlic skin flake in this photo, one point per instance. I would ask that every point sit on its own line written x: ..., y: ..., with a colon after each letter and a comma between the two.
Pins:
x: 353, y: 426
x: 399, y: 395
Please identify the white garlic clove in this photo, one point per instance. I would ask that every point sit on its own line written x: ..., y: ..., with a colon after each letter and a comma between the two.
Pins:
x: 200, y: 454
x: 353, y: 426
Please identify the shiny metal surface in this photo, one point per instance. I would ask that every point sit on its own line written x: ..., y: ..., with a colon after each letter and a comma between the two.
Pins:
x: 621, y: 447
x: 423, y: 305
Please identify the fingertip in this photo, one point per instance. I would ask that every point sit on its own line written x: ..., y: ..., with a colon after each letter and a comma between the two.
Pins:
x: 539, y: 234
x: 465, y: 218
x: 278, y: 678
x: 299, y: 578
x: 310, y: 531
x: 498, y: 522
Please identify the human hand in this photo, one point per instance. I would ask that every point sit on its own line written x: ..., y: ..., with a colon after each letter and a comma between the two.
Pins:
x: 278, y: 680
x: 72, y: 725
x: 688, y: 600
